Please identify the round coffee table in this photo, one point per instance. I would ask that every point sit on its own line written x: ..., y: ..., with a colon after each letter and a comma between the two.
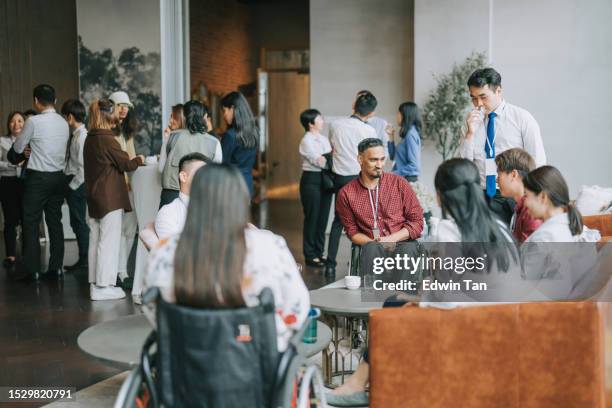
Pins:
x: 340, y: 302
x: 119, y: 342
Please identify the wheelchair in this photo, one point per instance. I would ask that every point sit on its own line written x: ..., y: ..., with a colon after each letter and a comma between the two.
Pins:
x: 221, y: 358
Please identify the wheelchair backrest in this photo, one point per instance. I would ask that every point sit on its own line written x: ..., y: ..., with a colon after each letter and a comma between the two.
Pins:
x: 216, y: 357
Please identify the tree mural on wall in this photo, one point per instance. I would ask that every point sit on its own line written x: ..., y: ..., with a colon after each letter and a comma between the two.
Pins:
x: 138, y: 74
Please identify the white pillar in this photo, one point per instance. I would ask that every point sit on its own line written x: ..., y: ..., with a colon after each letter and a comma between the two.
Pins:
x: 175, y: 74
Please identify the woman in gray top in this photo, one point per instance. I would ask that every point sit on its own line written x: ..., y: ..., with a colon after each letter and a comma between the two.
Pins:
x: 184, y: 141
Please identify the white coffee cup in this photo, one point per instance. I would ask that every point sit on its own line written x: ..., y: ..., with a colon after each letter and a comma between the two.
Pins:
x: 352, y: 282
x: 151, y: 160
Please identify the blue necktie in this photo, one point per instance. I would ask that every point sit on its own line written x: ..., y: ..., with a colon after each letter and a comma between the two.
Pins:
x: 490, y: 152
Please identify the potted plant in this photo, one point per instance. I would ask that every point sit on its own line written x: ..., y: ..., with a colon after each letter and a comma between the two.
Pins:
x: 446, y: 107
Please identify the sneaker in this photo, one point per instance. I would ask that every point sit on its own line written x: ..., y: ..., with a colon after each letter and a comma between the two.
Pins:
x: 105, y: 293
x: 137, y: 299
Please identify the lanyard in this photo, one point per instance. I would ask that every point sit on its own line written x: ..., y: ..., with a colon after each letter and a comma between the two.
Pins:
x: 374, y: 212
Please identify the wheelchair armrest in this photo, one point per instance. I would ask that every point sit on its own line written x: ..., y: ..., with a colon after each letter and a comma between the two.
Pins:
x: 146, y: 367
x: 288, y: 364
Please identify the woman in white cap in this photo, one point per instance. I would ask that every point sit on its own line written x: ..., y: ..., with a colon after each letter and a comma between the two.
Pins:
x: 125, y: 132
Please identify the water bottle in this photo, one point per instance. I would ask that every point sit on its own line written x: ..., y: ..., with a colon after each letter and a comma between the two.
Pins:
x: 310, y: 335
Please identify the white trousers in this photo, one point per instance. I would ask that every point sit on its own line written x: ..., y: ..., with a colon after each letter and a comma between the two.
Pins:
x: 129, y: 226
x: 104, y: 241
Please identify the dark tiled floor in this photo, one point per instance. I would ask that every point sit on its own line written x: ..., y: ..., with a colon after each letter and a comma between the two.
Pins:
x: 39, y: 323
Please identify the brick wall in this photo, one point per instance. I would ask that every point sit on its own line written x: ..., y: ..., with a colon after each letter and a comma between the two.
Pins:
x: 223, y: 54
x: 226, y: 37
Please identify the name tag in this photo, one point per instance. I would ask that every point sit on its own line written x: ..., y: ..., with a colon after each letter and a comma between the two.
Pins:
x: 490, y: 167
x: 376, y: 233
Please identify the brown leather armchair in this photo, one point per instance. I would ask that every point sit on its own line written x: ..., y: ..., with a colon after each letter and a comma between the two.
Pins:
x: 602, y: 222
x: 515, y: 355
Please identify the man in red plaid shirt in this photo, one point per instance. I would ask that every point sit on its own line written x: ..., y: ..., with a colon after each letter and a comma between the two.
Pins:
x: 378, y: 206
x: 382, y: 207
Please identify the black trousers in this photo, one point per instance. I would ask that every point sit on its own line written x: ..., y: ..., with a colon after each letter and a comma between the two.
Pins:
x: 168, y: 196
x: 77, y: 205
x: 502, y: 207
x: 336, y: 228
x: 43, y: 191
x: 11, y: 197
x: 315, y: 203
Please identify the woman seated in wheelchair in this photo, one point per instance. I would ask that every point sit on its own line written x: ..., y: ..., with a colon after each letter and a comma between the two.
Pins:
x: 220, y: 261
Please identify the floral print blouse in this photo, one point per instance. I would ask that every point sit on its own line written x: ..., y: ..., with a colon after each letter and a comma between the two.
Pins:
x: 268, y: 263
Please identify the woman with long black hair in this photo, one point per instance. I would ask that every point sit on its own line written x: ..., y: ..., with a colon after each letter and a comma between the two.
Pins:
x: 467, y: 218
x: 11, y: 187
x: 240, y: 141
x: 407, y: 152
x: 125, y: 131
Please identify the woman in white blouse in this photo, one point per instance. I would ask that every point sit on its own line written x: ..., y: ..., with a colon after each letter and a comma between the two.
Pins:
x: 547, y: 199
x: 551, y: 255
x: 218, y: 261
x: 11, y: 187
x: 316, y: 199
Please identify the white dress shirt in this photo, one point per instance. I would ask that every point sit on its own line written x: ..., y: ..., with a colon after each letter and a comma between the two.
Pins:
x: 170, y: 219
x: 47, y: 135
x: 379, y: 124
x: 556, y: 262
x: 312, y: 147
x: 345, y: 135
x: 554, y: 229
x: 514, y: 127
x: 7, y: 169
x: 74, y: 166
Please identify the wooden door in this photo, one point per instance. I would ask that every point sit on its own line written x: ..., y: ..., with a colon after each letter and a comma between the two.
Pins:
x: 288, y: 96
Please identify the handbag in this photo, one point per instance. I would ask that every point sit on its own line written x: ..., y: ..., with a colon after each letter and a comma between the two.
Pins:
x: 327, y: 177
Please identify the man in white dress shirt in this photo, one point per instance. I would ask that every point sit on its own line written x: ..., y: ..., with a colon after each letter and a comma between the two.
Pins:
x: 344, y: 136
x: 493, y: 127
x: 378, y: 123
x: 171, y: 217
x: 73, y: 111
x: 47, y: 134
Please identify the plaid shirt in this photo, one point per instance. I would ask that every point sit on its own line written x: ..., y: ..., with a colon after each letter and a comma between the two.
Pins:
x: 398, y: 207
